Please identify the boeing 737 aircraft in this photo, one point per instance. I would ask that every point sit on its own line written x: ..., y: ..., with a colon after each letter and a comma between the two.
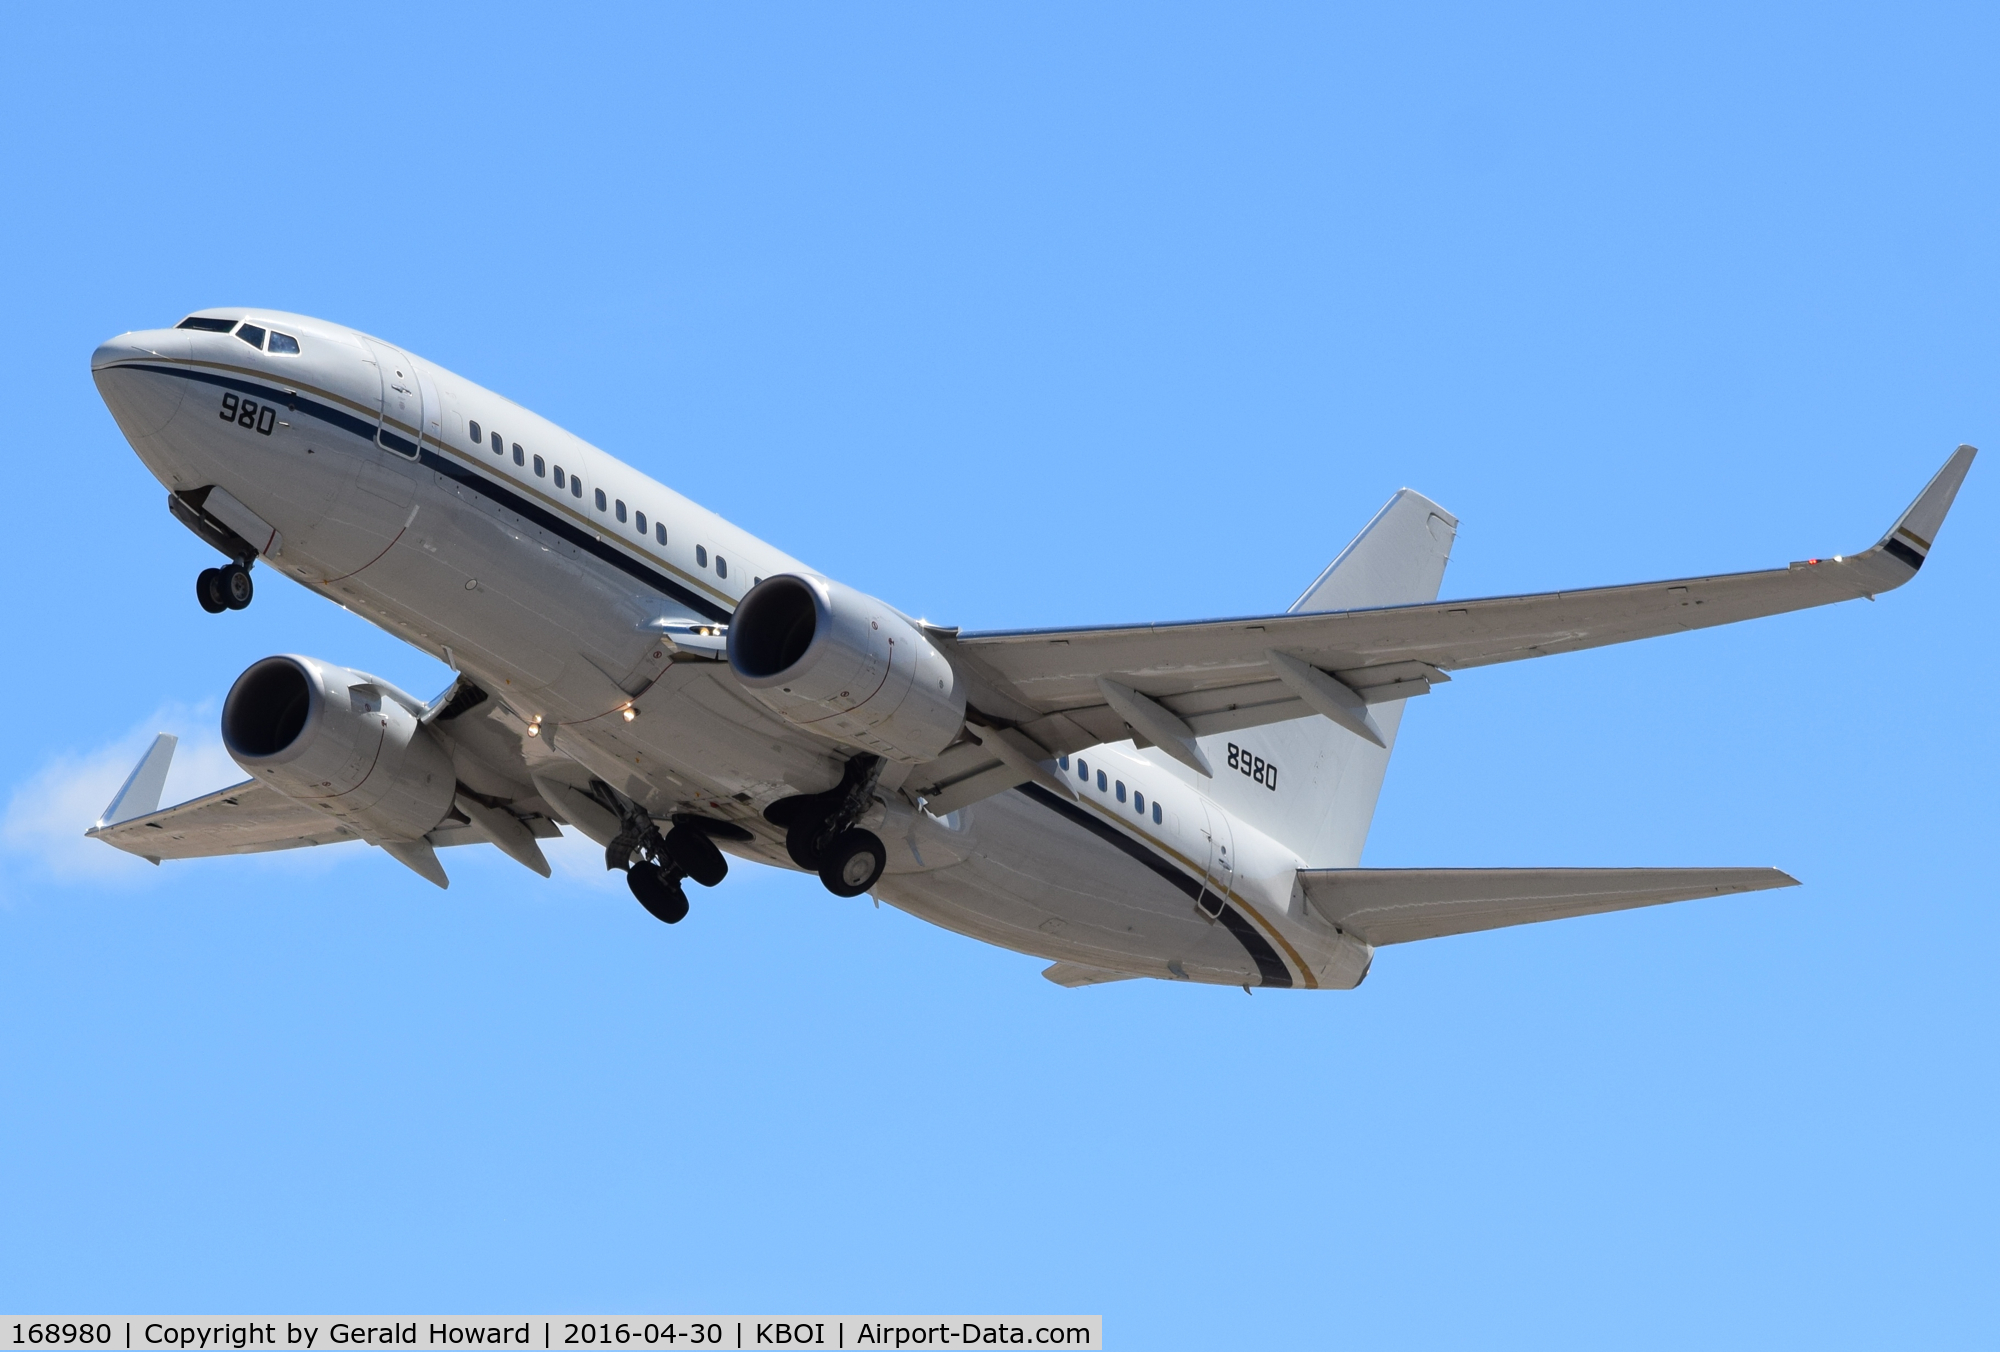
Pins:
x: 1184, y: 801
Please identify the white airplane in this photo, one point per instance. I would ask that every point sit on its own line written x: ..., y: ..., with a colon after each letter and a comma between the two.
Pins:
x: 1182, y: 801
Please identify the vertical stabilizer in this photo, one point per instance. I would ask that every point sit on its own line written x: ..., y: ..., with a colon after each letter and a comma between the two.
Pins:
x: 1328, y: 777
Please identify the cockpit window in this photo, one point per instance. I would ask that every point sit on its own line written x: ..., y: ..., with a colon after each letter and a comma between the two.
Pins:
x: 252, y: 335
x: 284, y: 342
x: 206, y: 324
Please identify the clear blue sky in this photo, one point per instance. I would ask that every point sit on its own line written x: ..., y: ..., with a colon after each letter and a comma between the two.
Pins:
x: 1048, y: 315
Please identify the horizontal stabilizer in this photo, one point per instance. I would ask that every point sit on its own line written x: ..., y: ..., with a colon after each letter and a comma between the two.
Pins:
x: 1396, y: 905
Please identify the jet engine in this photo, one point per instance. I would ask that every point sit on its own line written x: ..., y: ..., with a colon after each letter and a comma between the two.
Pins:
x: 828, y: 659
x: 342, y: 741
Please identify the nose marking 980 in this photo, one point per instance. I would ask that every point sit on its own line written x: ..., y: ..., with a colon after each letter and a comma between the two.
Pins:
x: 248, y: 413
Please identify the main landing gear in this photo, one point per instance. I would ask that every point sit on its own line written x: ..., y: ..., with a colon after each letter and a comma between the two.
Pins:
x: 654, y: 864
x: 821, y: 835
x: 225, y: 588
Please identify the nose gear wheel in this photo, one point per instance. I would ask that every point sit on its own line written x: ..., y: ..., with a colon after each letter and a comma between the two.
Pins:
x: 208, y: 591
x: 226, y: 588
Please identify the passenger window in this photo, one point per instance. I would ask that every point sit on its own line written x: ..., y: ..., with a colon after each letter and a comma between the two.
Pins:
x: 620, y: 513
x: 756, y: 581
x: 721, y: 566
x: 499, y: 444
x: 660, y: 531
x: 1083, y: 770
x: 575, y: 486
x: 252, y: 335
x: 206, y: 325
x: 600, y: 499
x: 1121, y: 790
x: 478, y: 437
x: 1139, y: 802
x: 519, y: 458
x: 1100, y: 781
x: 559, y: 476
x: 701, y: 555
x: 284, y: 342
x: 540, y: 466
x: 1063, y: 762
x: 639, y: 520
x: 1156, y: 812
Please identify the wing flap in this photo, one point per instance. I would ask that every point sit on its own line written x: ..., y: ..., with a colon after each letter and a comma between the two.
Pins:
x: 1074, y: 974
x: 1396, y: 906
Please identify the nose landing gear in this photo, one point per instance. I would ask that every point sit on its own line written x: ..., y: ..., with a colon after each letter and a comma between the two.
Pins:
x: 225, y: 588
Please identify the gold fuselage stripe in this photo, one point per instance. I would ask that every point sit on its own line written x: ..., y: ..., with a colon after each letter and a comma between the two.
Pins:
x: 1270, y: 930
x: 549, y: 499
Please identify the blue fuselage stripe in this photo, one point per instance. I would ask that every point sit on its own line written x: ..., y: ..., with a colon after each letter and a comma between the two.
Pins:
x: 1271, y: 969
x: 495, y: 490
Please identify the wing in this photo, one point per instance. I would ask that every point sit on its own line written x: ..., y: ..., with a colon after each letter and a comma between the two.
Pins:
x: 246, y: 818
x: 1167, y: 684
x: 1396, y: 905
x: 501, y: 800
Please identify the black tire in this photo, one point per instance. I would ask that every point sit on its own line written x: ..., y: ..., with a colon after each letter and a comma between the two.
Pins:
x: 697, y: 855
x: 236, y: 586
x: 799, y: 837
x: 852, y: 862
x: 208, y: 591
x: 660, y: 895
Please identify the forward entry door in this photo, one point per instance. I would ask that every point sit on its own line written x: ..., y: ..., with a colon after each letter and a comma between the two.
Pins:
x: 409, y: 404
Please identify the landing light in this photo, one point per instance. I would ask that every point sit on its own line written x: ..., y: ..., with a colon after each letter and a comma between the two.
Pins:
x: 629, y: 713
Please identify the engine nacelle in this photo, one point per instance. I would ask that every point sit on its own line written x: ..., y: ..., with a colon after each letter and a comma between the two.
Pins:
x: 341, y: 741
x: 831, y: 660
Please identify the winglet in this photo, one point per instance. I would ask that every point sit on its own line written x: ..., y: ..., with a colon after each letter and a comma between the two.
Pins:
x: 141, y: 794
x: 1910, y: 538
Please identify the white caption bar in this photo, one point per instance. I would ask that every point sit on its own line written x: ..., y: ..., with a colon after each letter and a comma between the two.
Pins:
x: 567, y: 1334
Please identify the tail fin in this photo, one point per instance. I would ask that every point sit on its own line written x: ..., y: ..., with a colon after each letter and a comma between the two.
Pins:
x: 1327, y: 779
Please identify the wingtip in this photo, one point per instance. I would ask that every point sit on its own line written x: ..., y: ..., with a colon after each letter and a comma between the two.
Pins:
x: 1927, y: 513
x: 140, y: 794
x: 1916, y: 530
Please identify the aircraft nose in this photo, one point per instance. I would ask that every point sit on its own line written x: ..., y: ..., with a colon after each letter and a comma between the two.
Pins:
x: 142, y: 392
x: 134, y: 346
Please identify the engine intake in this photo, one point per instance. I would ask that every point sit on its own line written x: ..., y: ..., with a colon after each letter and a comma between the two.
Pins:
x: 342, y: 741
x: 829, y: 659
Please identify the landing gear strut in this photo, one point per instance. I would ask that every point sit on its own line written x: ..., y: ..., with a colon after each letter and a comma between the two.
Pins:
x: 655, y: 864
x: 821, y: 835
x: 225, y: 588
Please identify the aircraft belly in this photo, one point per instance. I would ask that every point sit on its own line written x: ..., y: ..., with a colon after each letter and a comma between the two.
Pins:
x: 1038, y: 884
x: 528, y: 615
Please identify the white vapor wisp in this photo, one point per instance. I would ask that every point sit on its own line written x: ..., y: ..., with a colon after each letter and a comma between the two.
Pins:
x: 48, y: 812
